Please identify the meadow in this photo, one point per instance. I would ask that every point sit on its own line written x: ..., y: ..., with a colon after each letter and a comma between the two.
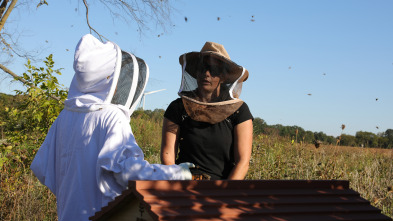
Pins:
x: 369, y: 171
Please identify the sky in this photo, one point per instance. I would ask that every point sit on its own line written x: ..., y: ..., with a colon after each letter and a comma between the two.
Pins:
x: 313, y: 64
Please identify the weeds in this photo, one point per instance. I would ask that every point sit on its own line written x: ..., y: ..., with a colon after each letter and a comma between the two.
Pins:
x: 369, y: 171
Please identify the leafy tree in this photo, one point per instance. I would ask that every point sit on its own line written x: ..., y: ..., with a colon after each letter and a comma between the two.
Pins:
x: 383, y: 142
x: 348, y: 140
x: 309, y: 136
x: 271, y: 130
x: 259, y: 126
x: 324, y: 138
x: 43, y: 101
x: 330, y: 140
x: 388, y: 138
x: 7, y: 101
x: 366, y: 139
x: 27, y: 122
x: 157, y: 115
x: 320, y: 136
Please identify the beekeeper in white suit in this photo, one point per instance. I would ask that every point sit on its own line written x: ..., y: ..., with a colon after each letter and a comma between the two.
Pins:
x: 90, y: 153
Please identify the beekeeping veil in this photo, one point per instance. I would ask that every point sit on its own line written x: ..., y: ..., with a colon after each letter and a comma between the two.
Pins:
x: 105, y: 75
x: 212, y: 57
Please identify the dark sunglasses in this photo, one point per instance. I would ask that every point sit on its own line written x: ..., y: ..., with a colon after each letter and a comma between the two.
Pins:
x: 216, y: 68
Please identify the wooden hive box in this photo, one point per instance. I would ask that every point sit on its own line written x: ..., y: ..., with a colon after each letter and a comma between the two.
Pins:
x: 278, y: 200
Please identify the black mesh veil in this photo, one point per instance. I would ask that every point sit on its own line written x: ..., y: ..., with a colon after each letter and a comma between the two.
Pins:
x: 132, y: 81
x: 142, y: 81
x: 123, y: 89
x: 210, y: 87
x: 229, y: 87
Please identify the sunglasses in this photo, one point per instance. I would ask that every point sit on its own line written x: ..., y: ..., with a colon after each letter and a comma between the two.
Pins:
x: 214, y: 66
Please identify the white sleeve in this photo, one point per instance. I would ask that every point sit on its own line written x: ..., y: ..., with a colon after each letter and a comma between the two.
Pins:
x: 43, y: 165
x: 121, y: 159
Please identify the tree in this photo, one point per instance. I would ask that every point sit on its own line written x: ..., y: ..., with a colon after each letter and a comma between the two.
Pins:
x: 31, y: 119
x: 28, y: 121
x: 348, y: 140
x: 140, y: 12
x: 7, y: 42
x: 366, y: 139
x: 6, y: 8
x: 259, y: 126
x: 320, y: 136
x: 309, y: 136
x: 383, y: 142
x: 389, y: 138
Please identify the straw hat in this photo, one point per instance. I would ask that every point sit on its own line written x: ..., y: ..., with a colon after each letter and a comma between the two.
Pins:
x: 218, y: 51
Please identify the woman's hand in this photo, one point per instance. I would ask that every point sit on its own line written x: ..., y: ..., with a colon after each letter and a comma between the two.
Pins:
x: 169, y: 141
x: 242, y: 150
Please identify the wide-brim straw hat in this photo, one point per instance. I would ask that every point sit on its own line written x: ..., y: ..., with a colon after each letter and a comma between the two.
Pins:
x: 217, y: 51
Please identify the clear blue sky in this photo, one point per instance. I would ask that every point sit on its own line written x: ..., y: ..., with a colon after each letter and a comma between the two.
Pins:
x: 339, y: 52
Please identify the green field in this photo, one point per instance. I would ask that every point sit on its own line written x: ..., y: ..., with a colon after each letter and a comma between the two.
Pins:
x: 370, y: 171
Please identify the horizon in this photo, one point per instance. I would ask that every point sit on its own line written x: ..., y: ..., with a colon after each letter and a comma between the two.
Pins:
x: 139, y: 108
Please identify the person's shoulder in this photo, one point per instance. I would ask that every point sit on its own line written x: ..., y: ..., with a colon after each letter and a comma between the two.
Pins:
x: 110, y: 109
x: 174, y: 111
x: 177, y: 103
x: 244, y: 107
x: 111, y: 113
x: 242, y: 114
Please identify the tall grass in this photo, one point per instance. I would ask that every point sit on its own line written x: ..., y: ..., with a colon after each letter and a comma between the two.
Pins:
x: 22, y: 197
x: 147, y: 132
x: 369, y: 171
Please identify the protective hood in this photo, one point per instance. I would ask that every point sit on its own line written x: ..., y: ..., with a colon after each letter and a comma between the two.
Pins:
x: 227, y: 91
x: 105, y: 75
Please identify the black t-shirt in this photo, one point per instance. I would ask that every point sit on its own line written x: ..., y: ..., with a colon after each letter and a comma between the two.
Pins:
x: 208, y: 146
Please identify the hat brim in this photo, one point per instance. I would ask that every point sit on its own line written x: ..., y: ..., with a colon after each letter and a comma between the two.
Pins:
x: 192, y: 62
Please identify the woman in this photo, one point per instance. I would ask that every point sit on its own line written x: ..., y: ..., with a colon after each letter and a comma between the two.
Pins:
x: 209, y: 125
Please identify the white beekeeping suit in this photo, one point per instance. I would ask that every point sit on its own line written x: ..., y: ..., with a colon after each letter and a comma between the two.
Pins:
x: 90, y: 153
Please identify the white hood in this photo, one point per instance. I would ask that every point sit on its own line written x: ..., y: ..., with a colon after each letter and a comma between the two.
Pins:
x: 90, y: 152
x: 97, y: 68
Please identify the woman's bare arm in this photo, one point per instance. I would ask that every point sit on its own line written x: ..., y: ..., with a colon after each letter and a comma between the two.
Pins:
x: 169, y: 141
x: 242, y: 150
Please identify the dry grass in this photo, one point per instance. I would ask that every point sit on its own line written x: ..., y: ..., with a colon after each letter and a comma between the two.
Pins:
x: 370, y: 171
x: 24, y: 198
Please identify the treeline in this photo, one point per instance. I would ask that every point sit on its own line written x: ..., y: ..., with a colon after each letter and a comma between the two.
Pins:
x: 295, y: 133
x: 298, y: 134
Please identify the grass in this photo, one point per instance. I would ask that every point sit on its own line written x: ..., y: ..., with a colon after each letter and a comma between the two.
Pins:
x: 369, y: 171
x: 22, y: 197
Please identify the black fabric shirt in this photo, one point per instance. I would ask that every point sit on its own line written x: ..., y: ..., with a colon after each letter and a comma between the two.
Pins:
x: 208, y: 146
